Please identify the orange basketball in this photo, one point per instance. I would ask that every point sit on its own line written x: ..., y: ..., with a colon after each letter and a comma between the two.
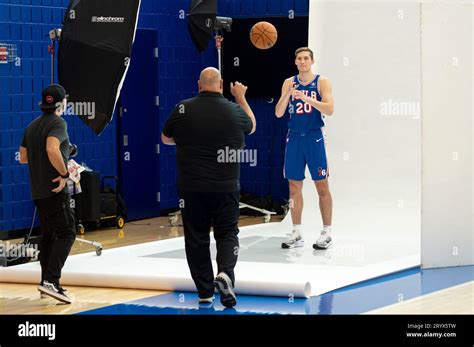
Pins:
x: 263, y: 35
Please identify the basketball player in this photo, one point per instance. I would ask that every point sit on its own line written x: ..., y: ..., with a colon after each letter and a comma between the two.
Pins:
x: 309, y: 98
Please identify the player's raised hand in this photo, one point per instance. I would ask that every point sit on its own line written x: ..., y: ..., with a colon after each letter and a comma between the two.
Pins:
x: 291, y: 88
x: 298, y: 94
x: 238, y: 90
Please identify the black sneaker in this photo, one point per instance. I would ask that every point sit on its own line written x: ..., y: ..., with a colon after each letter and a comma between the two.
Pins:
x: 224, y: 285
x: 55, y: 291
x: 44, y: 295
x: 208, y: 300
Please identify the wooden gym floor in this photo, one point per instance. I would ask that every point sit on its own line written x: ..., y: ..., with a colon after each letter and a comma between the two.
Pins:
x: 25, y: 299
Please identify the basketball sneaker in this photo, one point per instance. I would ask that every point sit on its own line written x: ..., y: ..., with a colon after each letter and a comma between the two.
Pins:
x: 324, y: 241
x: 295, y: 240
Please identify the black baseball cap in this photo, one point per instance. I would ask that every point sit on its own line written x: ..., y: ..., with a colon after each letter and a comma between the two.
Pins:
x: 51, y: 96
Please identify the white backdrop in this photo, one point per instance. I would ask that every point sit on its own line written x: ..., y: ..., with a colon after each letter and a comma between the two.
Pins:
x: 447, y: 208
x: 371, y: 53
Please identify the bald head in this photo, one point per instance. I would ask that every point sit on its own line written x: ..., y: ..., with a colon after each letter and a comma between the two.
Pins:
x: 210, y: 80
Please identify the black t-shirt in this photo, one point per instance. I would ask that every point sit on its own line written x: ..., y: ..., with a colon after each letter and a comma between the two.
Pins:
x: 42, y: 172
x: 204, y: 128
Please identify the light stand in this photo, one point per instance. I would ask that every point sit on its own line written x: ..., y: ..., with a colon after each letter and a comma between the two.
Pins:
x: 219, y: 42
x: 54, y: 36
x: 221, y: 24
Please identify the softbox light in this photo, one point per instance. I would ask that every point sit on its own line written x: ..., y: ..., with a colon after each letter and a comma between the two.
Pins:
x: 201, y: 19
x: 94, y: 54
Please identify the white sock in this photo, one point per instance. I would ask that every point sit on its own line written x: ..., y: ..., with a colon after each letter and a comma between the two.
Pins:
x: 297, y: 228
x: 327, y: 229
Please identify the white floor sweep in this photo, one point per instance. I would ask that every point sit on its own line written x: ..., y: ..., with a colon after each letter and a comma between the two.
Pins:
x: 358, y: 254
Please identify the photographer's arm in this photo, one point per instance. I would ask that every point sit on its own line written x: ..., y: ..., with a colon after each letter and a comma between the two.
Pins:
x: 54, y: 155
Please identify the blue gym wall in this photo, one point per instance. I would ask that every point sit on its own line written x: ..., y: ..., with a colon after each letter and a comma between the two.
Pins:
x: 27, y: 23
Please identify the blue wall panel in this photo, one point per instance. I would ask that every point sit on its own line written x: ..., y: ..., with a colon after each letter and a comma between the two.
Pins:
x: 20, y: 92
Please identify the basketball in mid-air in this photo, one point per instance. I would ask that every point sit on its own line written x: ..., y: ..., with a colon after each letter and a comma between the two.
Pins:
x: 263, y: 35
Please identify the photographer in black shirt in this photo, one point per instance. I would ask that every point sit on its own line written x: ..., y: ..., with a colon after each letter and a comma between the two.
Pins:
x: 201, y: 128
x: 46, y: 149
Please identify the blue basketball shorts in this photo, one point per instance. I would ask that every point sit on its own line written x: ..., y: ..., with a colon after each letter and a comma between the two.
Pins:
x: 305, y: 149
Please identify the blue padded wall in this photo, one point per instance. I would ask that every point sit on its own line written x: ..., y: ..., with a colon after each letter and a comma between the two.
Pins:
x: 27, y: 23
x: 179, y: 65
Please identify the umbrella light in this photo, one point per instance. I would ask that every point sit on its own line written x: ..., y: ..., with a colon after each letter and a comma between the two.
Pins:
x: 94, y: 54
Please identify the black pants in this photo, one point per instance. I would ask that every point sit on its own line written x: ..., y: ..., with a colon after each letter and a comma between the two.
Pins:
x: 200, y: 212
x: 58, y: 234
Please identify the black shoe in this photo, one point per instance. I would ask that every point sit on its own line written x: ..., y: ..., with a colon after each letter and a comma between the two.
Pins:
x: 224, y: 285
x: 42, y: 295
x: 208, y: 300
x: 55, y: 291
